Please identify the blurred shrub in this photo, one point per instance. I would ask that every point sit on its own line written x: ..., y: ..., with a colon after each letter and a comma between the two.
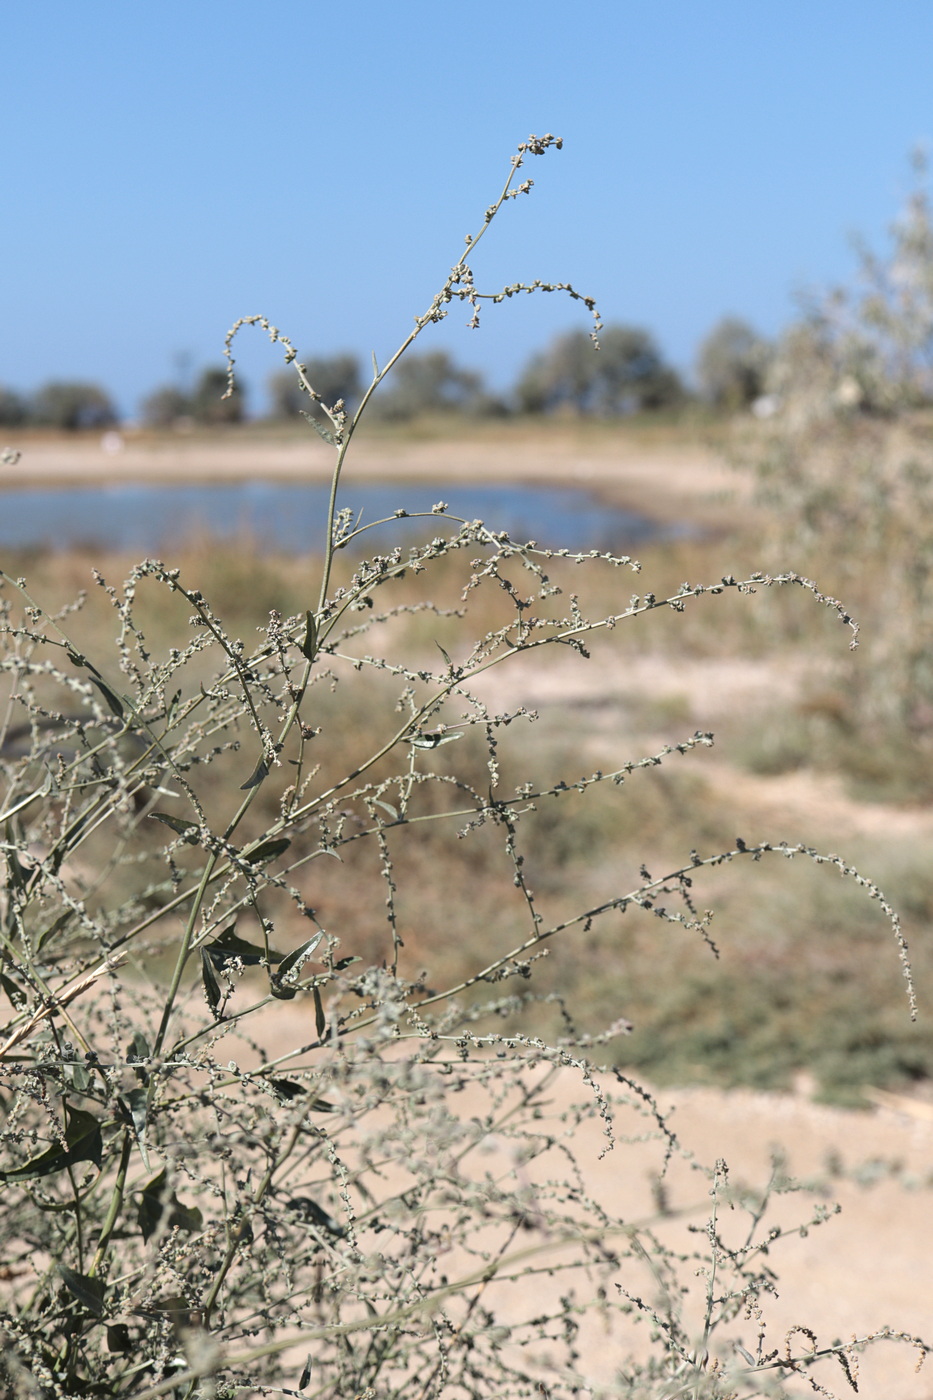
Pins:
x: 213, y: 402
x: 14, y: 409
x: 72, y: 404
x: 432, y: 383
x: 165, y: 407
x: 845, y: 471
x: 732, y: 364
x: 626, y: 373
x: 333, y: 377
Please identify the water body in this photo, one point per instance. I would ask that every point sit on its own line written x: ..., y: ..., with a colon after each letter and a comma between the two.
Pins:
x: 154, y: 519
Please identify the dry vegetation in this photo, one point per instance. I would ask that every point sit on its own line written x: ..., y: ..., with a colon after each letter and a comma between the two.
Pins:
x: 325, y: 876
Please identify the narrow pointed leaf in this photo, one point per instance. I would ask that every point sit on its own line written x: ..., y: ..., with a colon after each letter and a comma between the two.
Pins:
x: 268, y: 850
x: 211, y: 985
x: 386, y: 807
x: 296, y: 958
x: 83, y: 1143
x: 320, y: 1020
x: 287, y: 1088
x: 319, y: 428
x: 444, y: 654
x: 114, y: 703
x: 258, y: 775
x: 308, y: 645
x: 16, y: 994
x: 228, y: 947
x: 88, y: 1291
x: 137, y: 1102
x: 56, y: 927
x: 79, y: 1077
x: 313, y: 1214
x: 149, y: 1212
x: 187, y: 829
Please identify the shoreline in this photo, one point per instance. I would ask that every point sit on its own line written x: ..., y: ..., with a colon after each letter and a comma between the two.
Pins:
x: 666, y: 481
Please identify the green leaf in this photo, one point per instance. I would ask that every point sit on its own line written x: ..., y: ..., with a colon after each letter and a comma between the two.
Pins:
x: 118, y: 1338
x: 268, y: 850
x: 228, y: 947
x: 187, y: 829
x: 308, y: 645
x: 17, y: 873
x: 320, y: 1020
x: 88, y: 1291
x: 287, y: 1088
x: 114, y: 703
x: 79, y: 1077
x: 282, y: 993
x: 343, y: 963
x: 137, y: 1103
x: 319, y: 428
x: 16, y: 994
x: 258, y: 775
x: 313, y: 1214
x: 83, y: 1143
x: 386, y: 807
x: 211, y: 985
x: 444, y: 654
x: 296, y: 958
x: 149, y: 1212
x: 54, y: 928
x: 151, y: 1209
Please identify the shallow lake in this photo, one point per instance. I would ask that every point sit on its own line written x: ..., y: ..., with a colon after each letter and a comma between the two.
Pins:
x: 153, y: 519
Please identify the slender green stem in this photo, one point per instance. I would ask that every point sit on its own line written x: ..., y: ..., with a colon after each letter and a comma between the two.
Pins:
x: 116, y: 1204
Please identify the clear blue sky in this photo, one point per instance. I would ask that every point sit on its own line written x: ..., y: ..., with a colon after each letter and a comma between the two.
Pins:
x: 167, y: 168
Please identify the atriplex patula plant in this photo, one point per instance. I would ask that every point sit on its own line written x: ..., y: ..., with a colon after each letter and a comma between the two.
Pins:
x: 239, y: 1157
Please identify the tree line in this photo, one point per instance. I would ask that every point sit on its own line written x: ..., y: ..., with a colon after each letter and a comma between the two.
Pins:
x: 628, y: 374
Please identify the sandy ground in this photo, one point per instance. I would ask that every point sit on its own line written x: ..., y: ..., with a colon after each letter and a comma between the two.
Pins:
x: 868, y: 1267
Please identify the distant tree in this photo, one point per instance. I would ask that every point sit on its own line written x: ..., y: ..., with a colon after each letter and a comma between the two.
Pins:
x: 14, y: 409
x: 625, y: 374
x: 72, y: 404
x: 165, y: 406
x: 432, y: 383
x: 732, y: 364
x: 334, y: 377
x: 207, y: 403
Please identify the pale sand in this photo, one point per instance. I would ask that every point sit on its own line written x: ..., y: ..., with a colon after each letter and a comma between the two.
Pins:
x: 868, y: 1267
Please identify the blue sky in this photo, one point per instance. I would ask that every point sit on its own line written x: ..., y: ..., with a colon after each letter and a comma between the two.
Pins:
x: 167, y: 168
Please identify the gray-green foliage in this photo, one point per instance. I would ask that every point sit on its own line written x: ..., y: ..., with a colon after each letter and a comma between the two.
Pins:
x: 375, y: 1209
x: 624, y: 371
x: 845, y: 469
